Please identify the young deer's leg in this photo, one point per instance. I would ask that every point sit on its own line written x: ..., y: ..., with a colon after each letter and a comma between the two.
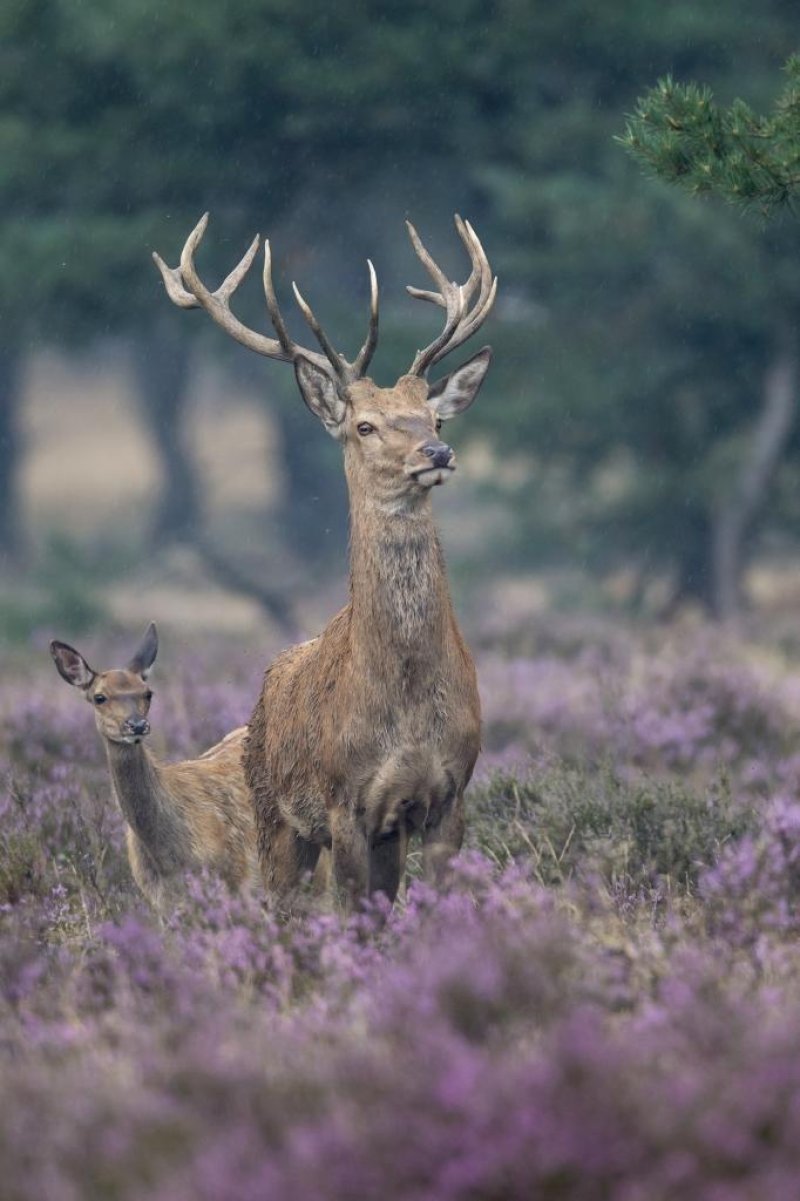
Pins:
x: 350, y: 857
x: 387, y: 862
x: 442, y: 841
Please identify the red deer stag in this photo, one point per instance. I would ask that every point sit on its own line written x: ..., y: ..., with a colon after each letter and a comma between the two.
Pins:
x: 371, y: 730
x: 179, y: 815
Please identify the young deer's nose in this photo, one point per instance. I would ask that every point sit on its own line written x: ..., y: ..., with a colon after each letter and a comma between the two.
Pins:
x: 439, y: 453
x: 138, y: 726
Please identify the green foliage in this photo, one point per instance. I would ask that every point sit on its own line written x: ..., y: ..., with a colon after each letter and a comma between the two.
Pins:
x: 680, y: 135
x: 651, y: 322
x: 634, y: 328
x: 637, y: 833
x: 61, y: 595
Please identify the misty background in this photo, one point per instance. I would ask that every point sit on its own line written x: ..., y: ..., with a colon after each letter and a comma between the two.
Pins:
x: 151, y: 468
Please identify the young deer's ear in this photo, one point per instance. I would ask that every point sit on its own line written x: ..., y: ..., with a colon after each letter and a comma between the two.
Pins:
x: 145, y: 656
x: 72, y: 666
x: 455, y: 393
x: 320, y: 394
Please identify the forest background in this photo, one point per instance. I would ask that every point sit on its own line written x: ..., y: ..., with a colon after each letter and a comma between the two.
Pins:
x: 641, y: 334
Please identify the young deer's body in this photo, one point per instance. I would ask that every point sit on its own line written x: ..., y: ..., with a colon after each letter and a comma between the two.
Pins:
x: 179, y: 816
x: 370, y: 731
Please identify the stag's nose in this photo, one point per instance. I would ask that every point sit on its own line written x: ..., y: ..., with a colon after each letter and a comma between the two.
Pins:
x: 138, y: 726
x: 439, y: 453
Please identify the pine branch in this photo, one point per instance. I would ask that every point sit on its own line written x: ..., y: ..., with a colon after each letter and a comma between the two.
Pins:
x: 679, y: 134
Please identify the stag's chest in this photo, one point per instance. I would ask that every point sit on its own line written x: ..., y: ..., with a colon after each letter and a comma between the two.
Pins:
x: 416, y: 703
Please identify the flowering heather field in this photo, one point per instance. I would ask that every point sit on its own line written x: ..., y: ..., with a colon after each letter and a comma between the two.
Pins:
x: 602, y: 1004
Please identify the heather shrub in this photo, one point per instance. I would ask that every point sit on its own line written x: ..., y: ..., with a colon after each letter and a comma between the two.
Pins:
x: 639, y: 831
x: 691, y: 709
x: 695, y: 709
x: 41, y: 731
x: 57, y: 831
x: 754, y: 889
x: 600, y: 1004
x: 478, y: 1044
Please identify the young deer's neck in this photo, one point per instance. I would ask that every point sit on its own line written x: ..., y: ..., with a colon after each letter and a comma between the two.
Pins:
x: 398, y: 582
x: 137, y: 785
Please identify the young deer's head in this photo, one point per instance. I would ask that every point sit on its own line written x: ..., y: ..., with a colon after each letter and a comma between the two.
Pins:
x: 120, y: 697
x: 391, y: 436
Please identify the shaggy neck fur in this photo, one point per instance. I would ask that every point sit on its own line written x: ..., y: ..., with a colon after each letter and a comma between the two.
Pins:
x: 399, y: 596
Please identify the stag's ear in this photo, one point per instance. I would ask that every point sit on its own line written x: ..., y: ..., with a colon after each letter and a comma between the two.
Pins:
x: 452, y: 395
x: 146, y: 653
x: 320, y: 394
x: 71, y: 665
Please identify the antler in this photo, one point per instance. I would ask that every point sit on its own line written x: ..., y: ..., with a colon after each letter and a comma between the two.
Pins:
x: 461, y: 321
x: 186, y: 289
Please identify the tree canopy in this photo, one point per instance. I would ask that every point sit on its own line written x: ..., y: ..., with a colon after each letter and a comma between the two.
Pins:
x: 636, y: 329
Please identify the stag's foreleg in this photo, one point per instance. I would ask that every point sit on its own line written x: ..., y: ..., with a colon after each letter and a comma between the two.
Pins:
x: 286, y: 858
x: 387, y: 861
x: 350, y: 854
x: 442, y: 837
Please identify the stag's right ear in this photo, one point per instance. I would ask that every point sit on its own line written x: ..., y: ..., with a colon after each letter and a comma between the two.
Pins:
x: 146, y: 653
x: 72, y: 666
x: 321, y: 395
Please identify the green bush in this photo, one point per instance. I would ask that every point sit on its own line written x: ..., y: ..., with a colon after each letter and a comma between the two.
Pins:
x: 638, y: 832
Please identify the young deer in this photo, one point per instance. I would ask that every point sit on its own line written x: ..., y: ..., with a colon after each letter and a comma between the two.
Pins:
x: 179, y: 815
x: 370, y: 731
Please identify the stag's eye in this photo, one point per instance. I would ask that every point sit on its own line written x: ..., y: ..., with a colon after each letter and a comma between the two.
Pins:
x: 438, y: 424
x: 365, y: 428
x: 99, y: 699
x: 148, y: 696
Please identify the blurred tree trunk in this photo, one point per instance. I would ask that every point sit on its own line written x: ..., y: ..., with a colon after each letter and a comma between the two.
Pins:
x: 161, y: 367
x: 738, y: 515
x: 693, y: 574
x: 10, y: 405
x: 314, y: 506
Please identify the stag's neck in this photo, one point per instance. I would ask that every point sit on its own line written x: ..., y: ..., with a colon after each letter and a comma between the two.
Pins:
x: 398, y: 582
x: 137, y: 783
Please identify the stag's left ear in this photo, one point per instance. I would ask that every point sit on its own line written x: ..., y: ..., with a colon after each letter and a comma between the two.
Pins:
x: 455, y: 393
x: 145, y: 656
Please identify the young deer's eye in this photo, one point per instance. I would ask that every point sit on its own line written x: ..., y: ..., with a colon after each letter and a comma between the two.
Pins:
x: 438, y: 424
x: 148, y: 696
x: 99, y: 699
x: 365, y: 428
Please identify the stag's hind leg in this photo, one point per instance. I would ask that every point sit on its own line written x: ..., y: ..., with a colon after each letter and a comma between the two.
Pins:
x: 286, y: 857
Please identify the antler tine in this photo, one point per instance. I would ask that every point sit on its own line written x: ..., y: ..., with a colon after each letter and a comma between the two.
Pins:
x: 345, y: 371
x: 480, y: 268
x: 434, y: 270
x: 173, y: 282
x: 475, y: 252
x: 424, y: 359
x: 421, y: 294
x: 364, y: 356
x: 334, y: 358
x: 488, y: 282
x: 275, y: 315
x: 186, y: 289
x: 470, y: 327
x: 460, y: 322
x: 231, y: 282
